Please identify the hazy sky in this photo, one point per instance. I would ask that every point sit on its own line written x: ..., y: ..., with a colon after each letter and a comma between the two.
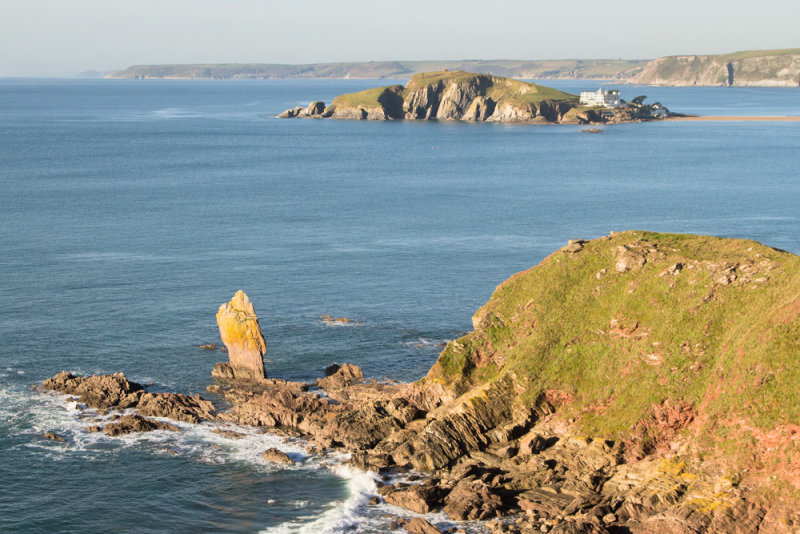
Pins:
x: 64, y: 37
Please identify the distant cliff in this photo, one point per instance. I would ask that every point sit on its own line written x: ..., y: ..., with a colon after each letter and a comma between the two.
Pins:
x: 467, y: 96
x: 768, y: 68
x: 604, y: 69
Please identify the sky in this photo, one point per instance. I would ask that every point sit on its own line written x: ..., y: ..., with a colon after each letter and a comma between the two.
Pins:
x: 65, y: 37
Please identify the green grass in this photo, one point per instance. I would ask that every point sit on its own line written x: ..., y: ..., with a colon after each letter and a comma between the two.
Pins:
x: 364, y: 99
x: 516, y: 92
x: 746, y: 54
x: 735, y: 355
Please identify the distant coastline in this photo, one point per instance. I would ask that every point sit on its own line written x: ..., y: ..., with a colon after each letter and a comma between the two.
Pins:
x: 751, y: 68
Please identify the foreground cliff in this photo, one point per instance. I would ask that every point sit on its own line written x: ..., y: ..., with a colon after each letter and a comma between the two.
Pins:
x: 639, y: 382
x: 467, y: 96
x: 766, y: 68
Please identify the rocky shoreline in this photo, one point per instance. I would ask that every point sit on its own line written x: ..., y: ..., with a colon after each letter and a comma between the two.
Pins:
x: 479, y: 439
x: 477, y: 456
x: 474, y: 452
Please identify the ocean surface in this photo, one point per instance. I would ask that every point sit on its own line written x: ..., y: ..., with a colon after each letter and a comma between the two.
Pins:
x: 129, y: 210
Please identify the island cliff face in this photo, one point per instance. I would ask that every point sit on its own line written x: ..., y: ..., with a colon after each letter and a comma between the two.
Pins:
x: 640, y: 382
x: 768, y: 68
x: 465, y: 96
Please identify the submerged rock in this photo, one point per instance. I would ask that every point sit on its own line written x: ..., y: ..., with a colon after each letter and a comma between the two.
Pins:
x: 241, y: 333
x: 277, y: 456
x: 54, y: 437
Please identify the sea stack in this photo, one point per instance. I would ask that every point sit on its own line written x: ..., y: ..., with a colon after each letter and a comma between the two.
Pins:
x: 241, y: 333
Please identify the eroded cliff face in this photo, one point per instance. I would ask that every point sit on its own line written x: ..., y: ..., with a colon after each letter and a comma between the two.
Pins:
x: 780, y: 70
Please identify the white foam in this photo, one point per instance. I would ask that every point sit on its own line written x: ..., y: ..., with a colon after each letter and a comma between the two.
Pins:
x: 340, y: 515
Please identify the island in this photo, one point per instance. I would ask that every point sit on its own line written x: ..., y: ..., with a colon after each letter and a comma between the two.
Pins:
x: 639, y: 382
x: 469, y: 96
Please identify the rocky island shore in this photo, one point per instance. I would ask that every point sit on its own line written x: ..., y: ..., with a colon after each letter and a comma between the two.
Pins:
x: 467, y: 96
x: 638, y: 382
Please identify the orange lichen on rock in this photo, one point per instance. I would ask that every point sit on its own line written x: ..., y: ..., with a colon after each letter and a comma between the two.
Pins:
x: 241, y: 334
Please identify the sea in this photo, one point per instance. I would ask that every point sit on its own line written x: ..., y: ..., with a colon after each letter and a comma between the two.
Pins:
x: 131, y: 209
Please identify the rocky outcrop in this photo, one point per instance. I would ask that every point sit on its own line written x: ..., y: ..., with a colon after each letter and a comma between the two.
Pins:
x: 114, y: 392
x: 768, y: 68
x: 277, y: 456
x: 241, y: 333
x: 128, y: 424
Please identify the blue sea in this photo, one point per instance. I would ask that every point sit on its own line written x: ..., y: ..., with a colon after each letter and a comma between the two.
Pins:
x: 129, y: 210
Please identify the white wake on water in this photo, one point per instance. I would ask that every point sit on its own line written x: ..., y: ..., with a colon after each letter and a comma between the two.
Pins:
x: 341, y: 515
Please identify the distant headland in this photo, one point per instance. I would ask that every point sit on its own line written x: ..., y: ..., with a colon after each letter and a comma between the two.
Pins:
x: 468, y: 96
x: 769, y: 68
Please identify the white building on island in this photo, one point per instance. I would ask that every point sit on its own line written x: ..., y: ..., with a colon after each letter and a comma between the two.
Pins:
x: 608, y: 99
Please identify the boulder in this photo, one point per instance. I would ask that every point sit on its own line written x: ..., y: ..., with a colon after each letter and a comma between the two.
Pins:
x: 277, y: 456
x: 291, y: 113
x: 241, y: 333
x: 417, y: 498
x: 341, y: 376
x: 54, y: 437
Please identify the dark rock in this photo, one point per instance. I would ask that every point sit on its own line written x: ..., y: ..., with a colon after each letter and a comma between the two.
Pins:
x: 342, y: 376
x: 54, y: 437
x: 277, y: 456
x: 127, y: 424
x: 98, y: 391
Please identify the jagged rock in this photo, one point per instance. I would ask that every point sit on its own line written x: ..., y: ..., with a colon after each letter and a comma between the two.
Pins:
x: 458, y: 430
x: 544, y: 502
x: 176, y: 406
x: 104, y: 392
x: 340, y: 376
x: 97, y: 391
x: 365, y: 426
x: 314, y: 109
x: 418, y: 525
x: 136, y: 423
x: 277, y: 456
x: 417, y: 498
x: 241, y: 333
x: 473, y: 499
x: 628, y: 258
x: 291, y: 113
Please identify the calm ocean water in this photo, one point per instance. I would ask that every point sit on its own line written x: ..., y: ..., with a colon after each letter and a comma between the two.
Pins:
x: 129, y: 210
